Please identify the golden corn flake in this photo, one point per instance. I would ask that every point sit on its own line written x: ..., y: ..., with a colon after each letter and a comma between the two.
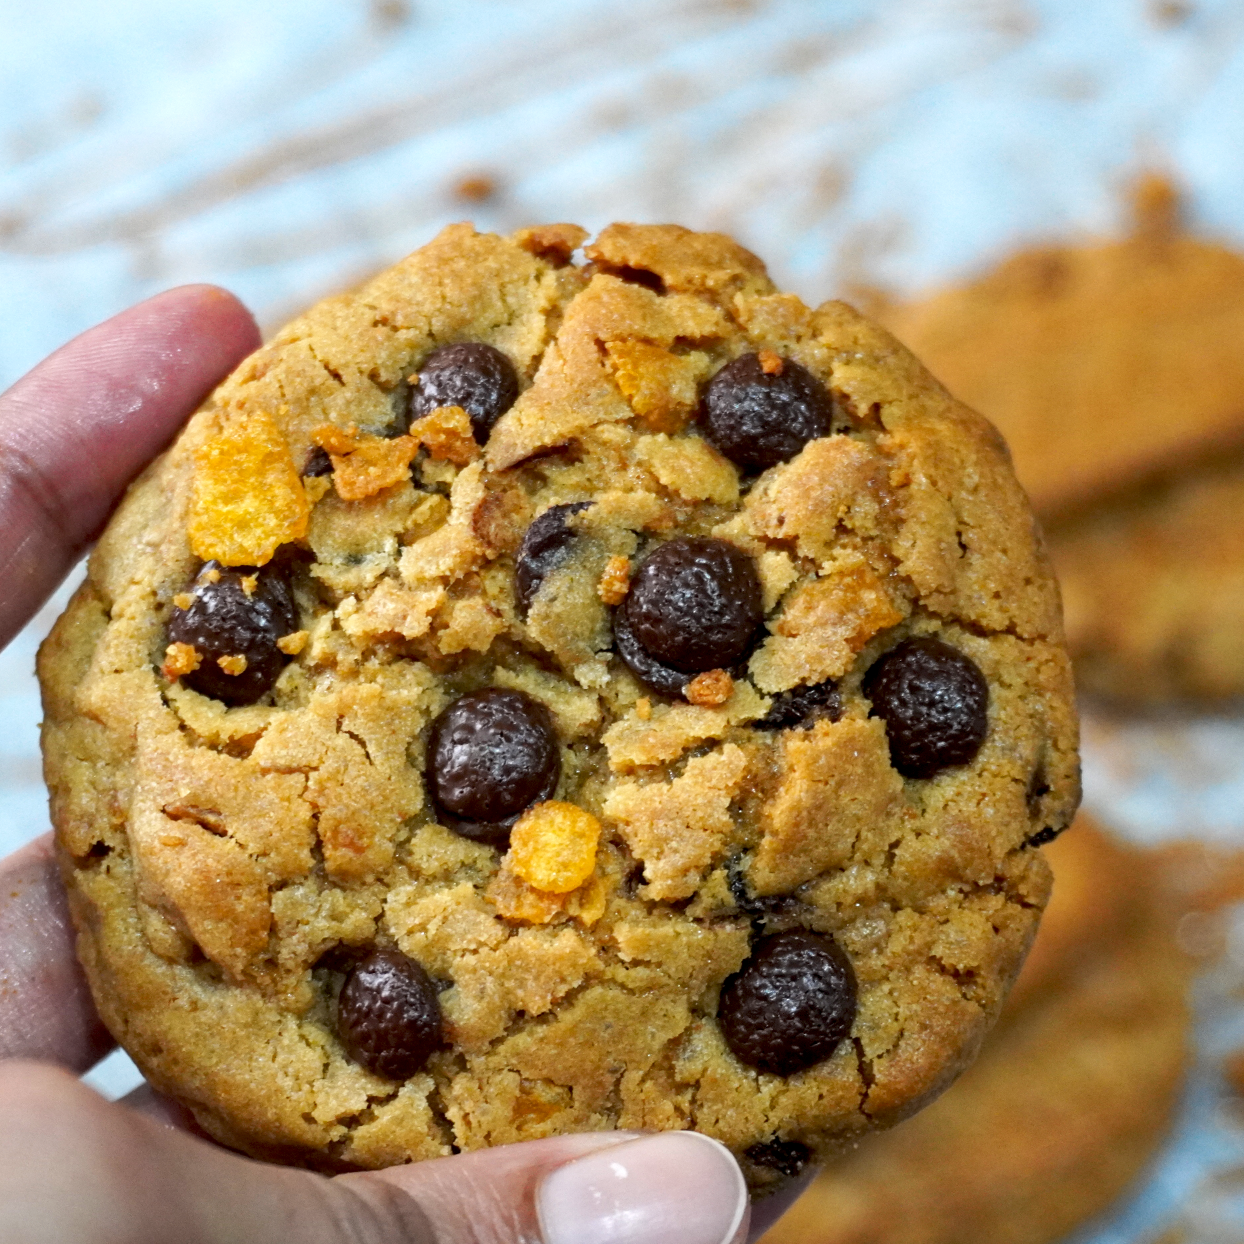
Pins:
x: 179, y: 660
x: 447, y: 434
x: 364, y: 465
x: 232, y: 665
x: 615, y: 580
x: 247, y: 499
x: 661, y: 387
x: 553, y: 846
x: 709, y: 689
x: 293, y: 643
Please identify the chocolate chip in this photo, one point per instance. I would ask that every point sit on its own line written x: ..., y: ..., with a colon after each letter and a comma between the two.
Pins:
x: 545, y: 546
x: 475, y: 376
x: 803, y: 707
x: 934, y: 702
x: 224, y: 620
x: 787, y: 1157
x: 662, y: 679
x: 695, y: 604
x: 791, y: 1004
x: 388, y: 1015
x: 318, y: 462
x: 491, y: 755
x: 758, y: 418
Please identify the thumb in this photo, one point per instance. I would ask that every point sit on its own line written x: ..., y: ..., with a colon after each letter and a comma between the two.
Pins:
x: 73, y: 1166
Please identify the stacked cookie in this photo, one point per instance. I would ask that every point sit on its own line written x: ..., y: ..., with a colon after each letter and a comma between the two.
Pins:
x: 1070, y: 1098
x: 537, y: 695
x: 1115, y: 373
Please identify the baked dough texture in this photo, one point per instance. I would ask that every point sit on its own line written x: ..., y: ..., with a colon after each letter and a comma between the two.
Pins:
x: 1073, y: 1093
x: 225, y: 863
x: 1115, y: 372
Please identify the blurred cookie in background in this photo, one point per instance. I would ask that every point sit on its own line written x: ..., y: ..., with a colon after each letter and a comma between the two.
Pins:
x: 1116, y: 373
x: 1072, y: 1095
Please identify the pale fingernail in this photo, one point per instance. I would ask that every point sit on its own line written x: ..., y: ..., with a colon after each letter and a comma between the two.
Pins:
x: 674, y: 1188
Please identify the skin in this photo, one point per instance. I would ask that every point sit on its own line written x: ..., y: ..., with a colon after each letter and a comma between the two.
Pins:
x: 73, y: 434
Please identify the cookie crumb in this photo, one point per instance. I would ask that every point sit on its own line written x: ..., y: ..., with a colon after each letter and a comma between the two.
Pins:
x: 183, y: 600
x: 476, y: 189
x: 643, y: 708
x: 770, y: 362
x: 232, y: 665
x: 615, y: 580
x: 249, y: 583
x: 709, y: 689
x: 179, y: 660
x: 553, y: 846
x: 1233, y: 1070
x: 213, y: 575
x: 293, y: 643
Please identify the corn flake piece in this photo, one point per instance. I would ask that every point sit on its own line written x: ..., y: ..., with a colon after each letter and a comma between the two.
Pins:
x: 232, y: 664
x: 661, y: 387
x: 247, y: 499
x: 179, y: 660
x: 553, y: 846
x: 293, y: 643
x: 364, y: 465
x: 709, y: 689
x: 447, y: 434
x: 615, y: 580
x: 771, y: 363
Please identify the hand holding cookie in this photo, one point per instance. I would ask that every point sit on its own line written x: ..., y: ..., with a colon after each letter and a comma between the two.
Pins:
x: 72, y: 435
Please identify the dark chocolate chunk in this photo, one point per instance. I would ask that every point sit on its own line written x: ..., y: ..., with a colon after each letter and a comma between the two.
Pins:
x: 475, y: 376
x: 934, y: 702
x: 318, y: 462
x: 787, y: 1157
x: 491, y: 755
x: 695, y: 604
x: 224, y: 620
x: 791, y: 1003
x: 388, y: 1015
x: 662, y: 679
x: 546, y: 544
x: 803, y: 707
x: 759, y: 418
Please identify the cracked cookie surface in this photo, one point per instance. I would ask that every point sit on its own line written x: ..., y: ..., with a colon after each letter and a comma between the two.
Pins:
x: 565, y: 733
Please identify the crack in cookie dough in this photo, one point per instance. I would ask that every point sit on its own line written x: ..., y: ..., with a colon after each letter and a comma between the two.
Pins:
x: 456, y: 778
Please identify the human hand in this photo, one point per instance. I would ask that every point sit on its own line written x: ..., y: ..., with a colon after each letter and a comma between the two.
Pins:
x: 73, y: 433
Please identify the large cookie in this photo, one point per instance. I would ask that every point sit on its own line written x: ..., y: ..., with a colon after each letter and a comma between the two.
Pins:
x: 1116, y: 374
x: 533, y: 697
x: 1072, y: 1095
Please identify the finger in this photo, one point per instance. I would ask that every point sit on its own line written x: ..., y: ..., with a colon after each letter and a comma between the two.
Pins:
x: 46, y: 1010
x: 73, y: 1166
x: 78, y: 428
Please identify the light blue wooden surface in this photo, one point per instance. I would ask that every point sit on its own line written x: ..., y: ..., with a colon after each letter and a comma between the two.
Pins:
x: 286, y: 149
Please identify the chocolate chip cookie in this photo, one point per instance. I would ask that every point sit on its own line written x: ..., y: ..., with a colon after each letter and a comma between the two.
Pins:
x: 538, y: 695
x: 1116, y: 374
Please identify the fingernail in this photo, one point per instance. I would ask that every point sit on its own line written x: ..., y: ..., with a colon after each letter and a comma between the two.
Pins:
x: 674, y: 1188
